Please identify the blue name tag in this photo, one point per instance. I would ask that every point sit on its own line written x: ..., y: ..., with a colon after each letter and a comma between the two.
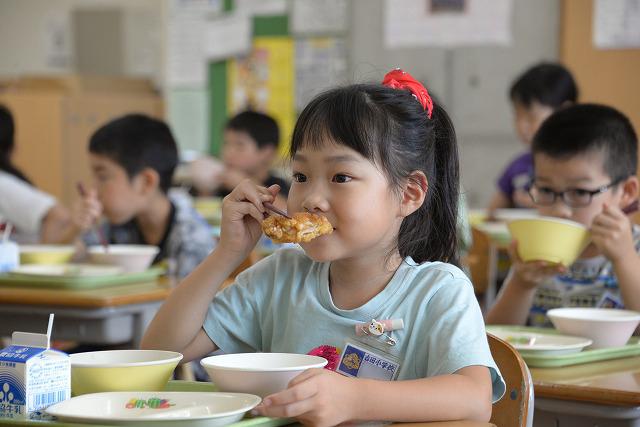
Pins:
x: 358, y: 362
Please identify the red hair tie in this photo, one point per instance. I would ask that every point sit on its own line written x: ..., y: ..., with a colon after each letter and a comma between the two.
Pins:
x: 399, y: 79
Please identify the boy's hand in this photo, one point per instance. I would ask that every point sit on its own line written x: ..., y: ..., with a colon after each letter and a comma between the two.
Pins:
x: 611, y: 233
x: 87, y: 210
x: 530, y: 274
x: 242, y: 215
x: 316, y: 397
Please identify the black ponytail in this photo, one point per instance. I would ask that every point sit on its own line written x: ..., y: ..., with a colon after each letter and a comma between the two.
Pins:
x: 430, y: 234
x: 391, y: 129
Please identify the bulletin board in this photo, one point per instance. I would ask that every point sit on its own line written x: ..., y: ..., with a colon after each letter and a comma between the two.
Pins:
x: 605, y: 76
x: 268, y: 70
x: 264, y: 81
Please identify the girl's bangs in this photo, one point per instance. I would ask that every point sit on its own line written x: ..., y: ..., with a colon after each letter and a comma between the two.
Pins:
x: 342, y: 116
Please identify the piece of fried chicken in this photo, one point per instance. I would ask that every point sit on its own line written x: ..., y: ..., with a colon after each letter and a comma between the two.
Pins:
x: 302, y: 227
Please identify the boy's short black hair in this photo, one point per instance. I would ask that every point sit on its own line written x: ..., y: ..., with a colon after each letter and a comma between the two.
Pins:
x: 586, y: 128
x: 135, y: 142
x: 546, y: 83
x: 261, y: 127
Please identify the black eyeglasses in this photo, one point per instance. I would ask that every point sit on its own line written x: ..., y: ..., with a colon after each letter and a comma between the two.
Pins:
x: 573, y: 197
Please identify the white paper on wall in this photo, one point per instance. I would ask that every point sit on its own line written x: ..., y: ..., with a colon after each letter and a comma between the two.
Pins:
x: 411, y: 23
x: 321, y: 63
x: 227, y: 36
x: 261, y: 7
x: 616, y: 24
x: 318, y: 16
x: 186, y: 61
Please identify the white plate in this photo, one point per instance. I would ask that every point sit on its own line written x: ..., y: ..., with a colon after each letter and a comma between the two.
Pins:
x: 66, y: 270
x: 538, y: 344
x: 158, y: 409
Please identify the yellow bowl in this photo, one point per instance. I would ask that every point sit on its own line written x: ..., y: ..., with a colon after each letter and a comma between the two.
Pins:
x: 210, y: 208
x: 46, y: 254
x: 122, y: 370
x: 549, y: 239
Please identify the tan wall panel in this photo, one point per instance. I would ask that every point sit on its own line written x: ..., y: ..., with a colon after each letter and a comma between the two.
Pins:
x: 38, y: 125
x: 606, y: 76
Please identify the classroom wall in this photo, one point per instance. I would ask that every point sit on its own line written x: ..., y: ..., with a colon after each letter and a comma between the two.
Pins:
x: 472, y: 83
x: 37, y: 37
x: 607, y: 76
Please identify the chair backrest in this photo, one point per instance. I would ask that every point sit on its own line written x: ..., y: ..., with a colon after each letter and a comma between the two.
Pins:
x: 515, y: 409
x: 478, y: 261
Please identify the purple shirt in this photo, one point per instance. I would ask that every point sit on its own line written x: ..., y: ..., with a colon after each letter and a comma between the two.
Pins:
x: 516, y: 176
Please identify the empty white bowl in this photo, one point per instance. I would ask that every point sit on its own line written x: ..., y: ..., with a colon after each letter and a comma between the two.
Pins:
x: 258, y: 373
x: 132, y: 258
x: 607, y: 327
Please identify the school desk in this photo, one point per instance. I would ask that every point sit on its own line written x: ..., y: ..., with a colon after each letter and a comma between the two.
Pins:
x: 489, y: 239
x: 605, y: 393
x: 108, y: 315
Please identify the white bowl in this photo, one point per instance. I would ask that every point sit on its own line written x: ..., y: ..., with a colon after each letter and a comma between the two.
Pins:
x: 132, y: 258
x: 258, y: 373
x: 511, y: 214
x: 607, y: 327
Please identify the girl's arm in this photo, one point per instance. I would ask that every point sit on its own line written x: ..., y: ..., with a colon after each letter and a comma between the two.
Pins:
x: 323, y: 398
x: 178, y: 324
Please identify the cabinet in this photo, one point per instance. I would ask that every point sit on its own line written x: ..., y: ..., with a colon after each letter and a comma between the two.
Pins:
x: 55, y: 117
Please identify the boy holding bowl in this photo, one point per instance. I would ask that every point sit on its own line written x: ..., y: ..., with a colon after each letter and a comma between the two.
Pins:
x: 585, y: 162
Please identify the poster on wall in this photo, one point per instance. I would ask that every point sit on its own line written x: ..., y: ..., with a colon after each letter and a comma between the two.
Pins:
x: 321, y: 63
x: 616, y: 24
x: 263, y: 81
x: 447, y: 23
x: 186, y: 59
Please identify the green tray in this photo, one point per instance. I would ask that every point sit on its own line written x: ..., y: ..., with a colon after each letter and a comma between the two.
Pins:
x: 248, y: 421
x: 632, y: 348
x: 79, y: 282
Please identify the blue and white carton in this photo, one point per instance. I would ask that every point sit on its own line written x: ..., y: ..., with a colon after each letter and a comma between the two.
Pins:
x: 32, y: 375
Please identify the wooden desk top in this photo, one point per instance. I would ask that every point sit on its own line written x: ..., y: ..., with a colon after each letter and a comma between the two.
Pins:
x: 610, y: 382
x: 109, y: 296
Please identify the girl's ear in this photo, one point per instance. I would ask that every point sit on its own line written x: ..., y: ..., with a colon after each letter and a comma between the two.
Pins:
x: 147, y: 180
x: 414, y: 192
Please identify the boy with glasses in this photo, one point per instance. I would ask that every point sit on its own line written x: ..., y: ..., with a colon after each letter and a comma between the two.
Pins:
x: 585, y: 163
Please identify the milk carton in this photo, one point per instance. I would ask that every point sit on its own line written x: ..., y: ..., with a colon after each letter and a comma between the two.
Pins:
x: 32, y: 376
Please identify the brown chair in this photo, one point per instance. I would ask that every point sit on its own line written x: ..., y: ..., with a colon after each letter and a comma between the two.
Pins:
x: 515, y: 409
x: 478, y: 261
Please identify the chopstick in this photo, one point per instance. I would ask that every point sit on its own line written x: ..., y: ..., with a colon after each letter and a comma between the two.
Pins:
x: 272, y: 208
x: 103, y: 241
